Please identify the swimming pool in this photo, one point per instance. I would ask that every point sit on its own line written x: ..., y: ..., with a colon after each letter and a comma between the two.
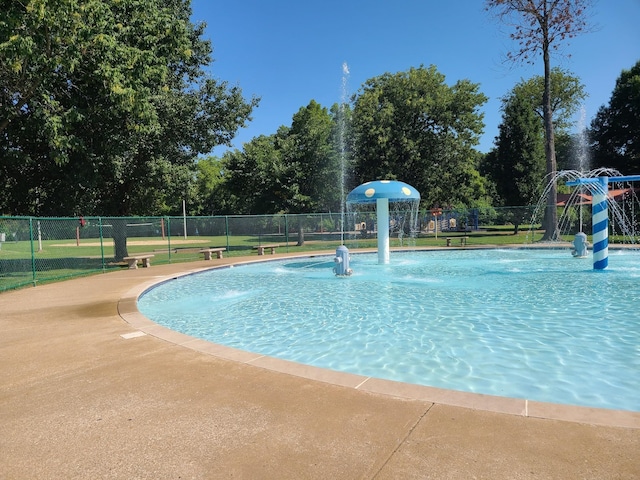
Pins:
x: 523, y: 323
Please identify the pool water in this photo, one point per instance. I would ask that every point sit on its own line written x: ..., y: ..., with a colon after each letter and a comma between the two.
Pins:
x: 523, y: 323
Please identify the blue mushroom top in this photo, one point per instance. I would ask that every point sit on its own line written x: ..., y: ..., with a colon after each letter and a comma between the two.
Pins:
x: 393, y: 190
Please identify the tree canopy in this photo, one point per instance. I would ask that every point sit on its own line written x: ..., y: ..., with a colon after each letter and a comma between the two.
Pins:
x: 567, y: 94
x: 516, y: 166
x: 615, y: 130
x: 540, y: 26
x: 105, y: 106
x: 412, y: 126
x: 253, y: 178
x: 295, y: 170
x: 312, y: 160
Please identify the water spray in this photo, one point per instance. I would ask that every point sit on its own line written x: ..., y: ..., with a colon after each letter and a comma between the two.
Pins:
x: 600, y: 214
x: 380, y: 193
x: 342, y: 252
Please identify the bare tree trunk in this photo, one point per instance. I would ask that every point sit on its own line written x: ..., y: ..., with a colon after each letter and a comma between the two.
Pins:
x: 550, y: 221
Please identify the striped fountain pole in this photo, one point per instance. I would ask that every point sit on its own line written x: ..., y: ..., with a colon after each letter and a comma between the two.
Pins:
x: 600, y: 221
x: 599, y: 187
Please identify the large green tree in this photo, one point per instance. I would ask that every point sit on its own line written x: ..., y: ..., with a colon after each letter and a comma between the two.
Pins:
x: 311, y: 158
x: 412, y: 126
x: 211, y: 198
x: 517, y: 163
x: 566, y: 96
x: 539, y: 27
x: 296, y: 170
x: 105, y: 106
x: 254, y: 178
x: 615, y: 130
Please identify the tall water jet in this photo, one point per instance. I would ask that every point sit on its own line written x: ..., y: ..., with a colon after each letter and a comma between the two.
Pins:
x: 582, y: 153
x: 342, y: 127
x: 380, y: 194
x: 582, y: 140
x: 342, y: 257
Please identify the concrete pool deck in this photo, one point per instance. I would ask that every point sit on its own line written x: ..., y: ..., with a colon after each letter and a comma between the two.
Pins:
x: 90, y: 389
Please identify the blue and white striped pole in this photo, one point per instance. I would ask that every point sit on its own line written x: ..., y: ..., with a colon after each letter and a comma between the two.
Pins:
x: 600, y: 214
x: 600, y: 221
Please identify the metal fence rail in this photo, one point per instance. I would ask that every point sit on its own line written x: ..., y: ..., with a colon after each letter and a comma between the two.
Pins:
x: 36, y: 250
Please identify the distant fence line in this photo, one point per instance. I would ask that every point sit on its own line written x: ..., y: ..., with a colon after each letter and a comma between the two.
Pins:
x: 41, y: 249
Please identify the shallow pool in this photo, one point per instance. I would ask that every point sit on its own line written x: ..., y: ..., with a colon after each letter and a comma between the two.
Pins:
x: 524, y: 323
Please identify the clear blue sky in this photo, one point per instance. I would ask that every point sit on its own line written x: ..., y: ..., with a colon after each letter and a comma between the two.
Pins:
x: 289, y: 52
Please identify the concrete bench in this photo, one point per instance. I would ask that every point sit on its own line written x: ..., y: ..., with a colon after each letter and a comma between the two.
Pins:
x: 463, y: 241
x: 208, y: 251
x: 133, y: 260
x: 261, y: 248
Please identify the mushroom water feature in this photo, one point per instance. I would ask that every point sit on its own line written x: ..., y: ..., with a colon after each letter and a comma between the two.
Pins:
x: 381, y: 193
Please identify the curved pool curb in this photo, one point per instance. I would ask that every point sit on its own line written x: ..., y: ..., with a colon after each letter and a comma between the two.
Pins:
x: 128, y: 311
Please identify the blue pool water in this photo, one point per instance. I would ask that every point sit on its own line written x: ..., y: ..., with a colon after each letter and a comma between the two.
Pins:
x: 523, y: 323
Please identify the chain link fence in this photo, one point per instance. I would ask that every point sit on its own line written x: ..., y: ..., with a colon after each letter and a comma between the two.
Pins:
x: 37, y: 250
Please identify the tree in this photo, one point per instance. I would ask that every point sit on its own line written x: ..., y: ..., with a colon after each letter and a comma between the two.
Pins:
x: 517, y: 163
x: 105, y: 106
x: 211, y: 198
x: 312, y: 161
x: 569, y: 149
x: 566, y: 96
x: 411, y: 126
x: 48, y: 47
x: 615, y: 130
x: 539, y: 27
x: 254, y: 178
x: 36, y: 41
x: 296, y: 170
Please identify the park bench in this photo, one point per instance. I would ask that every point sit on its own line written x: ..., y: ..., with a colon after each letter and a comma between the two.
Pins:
x: 463, y: 241
x: 133, y: 260
x: 261, y: 248
x: 208, y: 251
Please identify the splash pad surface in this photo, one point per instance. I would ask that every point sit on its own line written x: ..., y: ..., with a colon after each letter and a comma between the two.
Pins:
x: 535, y: 324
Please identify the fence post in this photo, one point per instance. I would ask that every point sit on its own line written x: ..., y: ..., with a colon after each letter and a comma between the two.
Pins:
x: 286, y: 230
x: 226, y: 231
x: 169, y: 236
x: 33, y: 254
x: 104, y: 263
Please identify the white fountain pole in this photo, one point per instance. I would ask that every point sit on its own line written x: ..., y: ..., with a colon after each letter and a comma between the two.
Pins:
x: 382, y: 210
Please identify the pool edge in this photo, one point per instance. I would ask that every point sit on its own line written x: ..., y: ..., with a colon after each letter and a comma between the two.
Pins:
x: 128, y: 311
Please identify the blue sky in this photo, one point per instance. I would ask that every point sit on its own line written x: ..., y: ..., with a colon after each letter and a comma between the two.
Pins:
x: 289, y: 52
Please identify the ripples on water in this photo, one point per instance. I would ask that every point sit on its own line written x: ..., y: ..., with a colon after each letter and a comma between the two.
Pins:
x: 536, y: 324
